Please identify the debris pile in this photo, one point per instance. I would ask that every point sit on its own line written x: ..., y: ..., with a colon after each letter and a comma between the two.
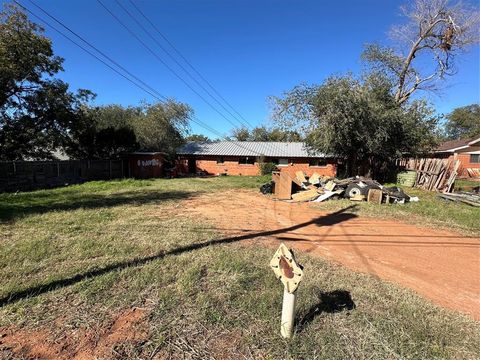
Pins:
x: 469, y: 198
x: 317, y: 188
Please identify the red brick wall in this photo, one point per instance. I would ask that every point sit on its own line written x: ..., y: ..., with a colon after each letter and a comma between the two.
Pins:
x: 231, y: 166
x: 465, y: 163
x: 465, y: 159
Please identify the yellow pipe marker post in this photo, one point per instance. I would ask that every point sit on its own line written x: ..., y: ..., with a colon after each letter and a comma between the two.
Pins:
x: 290, y: 273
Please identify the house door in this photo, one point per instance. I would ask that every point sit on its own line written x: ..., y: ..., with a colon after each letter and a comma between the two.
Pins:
x: 192, y: 166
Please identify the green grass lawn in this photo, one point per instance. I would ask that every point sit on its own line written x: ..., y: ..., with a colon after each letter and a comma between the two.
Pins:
x: 86, y: 252
x: 466, y: 185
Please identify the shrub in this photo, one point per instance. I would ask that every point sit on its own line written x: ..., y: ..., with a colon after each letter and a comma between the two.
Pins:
x: 267, y: 168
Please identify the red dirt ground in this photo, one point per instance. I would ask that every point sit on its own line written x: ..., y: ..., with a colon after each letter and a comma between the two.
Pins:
x: 443, y: 266
x: 82, y: 345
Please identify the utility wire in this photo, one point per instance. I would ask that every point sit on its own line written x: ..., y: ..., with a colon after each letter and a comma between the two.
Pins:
x: 95, y: 48
x: 134, y: 18
x: 162, y: 61
x: 245, y: 124
x: 143, y: 86
x: 187, y: 62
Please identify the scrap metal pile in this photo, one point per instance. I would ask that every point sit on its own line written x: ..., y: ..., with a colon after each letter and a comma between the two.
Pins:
x: 317, y: 188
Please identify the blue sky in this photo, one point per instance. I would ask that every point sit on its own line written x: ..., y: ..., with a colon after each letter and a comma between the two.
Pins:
x: 247, y: 49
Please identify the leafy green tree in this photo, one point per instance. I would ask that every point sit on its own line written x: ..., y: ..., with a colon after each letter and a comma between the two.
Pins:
x: 277, y: 134
x: 36, y: 110
x: 240, y: 134
x: 358, y: 120
x: 162, y: 126
x: 262, y: 133
x: 463, y: 122
x: 259, y: 133
x: 198, y: 138
x: 113, y: 130
x: 102, y: 133
x: 116, y: 116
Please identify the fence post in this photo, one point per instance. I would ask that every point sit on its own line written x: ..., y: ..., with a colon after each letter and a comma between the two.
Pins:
x: 14, y: 169
x: 110, y: 168
x: 121, y: 164
x: 58, y: 169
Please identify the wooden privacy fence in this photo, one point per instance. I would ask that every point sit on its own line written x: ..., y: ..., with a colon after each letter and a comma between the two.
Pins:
x: 433, y: 174
x: 30, y: 175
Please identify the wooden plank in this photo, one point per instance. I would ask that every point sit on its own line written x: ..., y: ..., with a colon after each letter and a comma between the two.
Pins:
x: 314, y: 179
x: 284, y: 189
x: 330, y: 185
x: 306, y: 195
x: 375, y: 196
x: 276, y: 176
x: 300, y: 175
x: 296, y: 181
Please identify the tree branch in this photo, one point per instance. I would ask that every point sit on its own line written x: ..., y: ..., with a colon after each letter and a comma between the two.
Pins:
x: 400, y: 94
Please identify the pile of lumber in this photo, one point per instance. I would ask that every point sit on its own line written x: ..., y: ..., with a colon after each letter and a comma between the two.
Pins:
x: 464, y: 197
x: 473, y: 173
x: 434, y: 174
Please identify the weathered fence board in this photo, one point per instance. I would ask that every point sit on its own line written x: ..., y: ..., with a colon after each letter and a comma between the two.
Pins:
x: 432, y: 174
x: 31, y: 175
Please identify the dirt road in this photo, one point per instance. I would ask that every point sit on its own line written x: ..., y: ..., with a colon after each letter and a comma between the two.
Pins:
x: 440, y: 265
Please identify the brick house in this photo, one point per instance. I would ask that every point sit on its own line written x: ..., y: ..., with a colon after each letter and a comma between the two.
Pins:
x: 243, y: 158
x: 466, y: 150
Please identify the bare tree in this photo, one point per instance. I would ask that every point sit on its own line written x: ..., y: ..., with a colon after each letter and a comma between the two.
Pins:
x: 426, y: 45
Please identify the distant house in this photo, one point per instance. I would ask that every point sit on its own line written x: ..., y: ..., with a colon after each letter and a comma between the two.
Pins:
x: 466, y: 150
x: 243, y: 157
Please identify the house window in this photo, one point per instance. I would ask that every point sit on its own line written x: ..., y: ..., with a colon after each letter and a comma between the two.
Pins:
x: 282, y: 162
x: 474, y: 158
x: 220, y: 160
x: 248, y: 160
x: 317, y: 163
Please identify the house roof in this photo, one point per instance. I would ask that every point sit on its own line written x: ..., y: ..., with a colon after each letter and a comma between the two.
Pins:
x: 248, y: 148
x: 453, y: 145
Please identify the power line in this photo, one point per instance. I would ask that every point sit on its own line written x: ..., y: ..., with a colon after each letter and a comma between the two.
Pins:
x: 152, y: 92
x: 82, y: 47
x: 162, y: 61
x: 180, y: 65
x: 144, y: 87
x: 95, y: 48
x: 177, y: 62
x: 187, y: 62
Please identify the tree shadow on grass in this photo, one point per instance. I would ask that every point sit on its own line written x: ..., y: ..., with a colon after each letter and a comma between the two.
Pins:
x: 328, y: 302
x: 329, y: 219
x: 14, y: 210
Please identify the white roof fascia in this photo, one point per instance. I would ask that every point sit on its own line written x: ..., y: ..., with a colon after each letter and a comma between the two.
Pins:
x: 474, y: 141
